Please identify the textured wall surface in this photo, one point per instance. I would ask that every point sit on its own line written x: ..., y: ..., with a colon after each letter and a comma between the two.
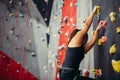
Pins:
x: 102, y: 56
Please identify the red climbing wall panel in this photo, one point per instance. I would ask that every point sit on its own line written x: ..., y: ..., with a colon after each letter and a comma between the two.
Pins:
x: 68, y: 25
x: 10, y: 70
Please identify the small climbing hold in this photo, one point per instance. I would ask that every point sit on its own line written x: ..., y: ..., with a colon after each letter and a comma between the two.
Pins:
x: 116, y: 65
x: 104, y: 24
x: 66, y: 34
x: 98, y: 10
x: 61, y: 47
x: 112, y: 49
x: 11, y: 14
x: 119, y: 9
x: 65, y: 19
x: 104, y: 39
x: 97, y: 72
x: 29, y: 42
x: 112, y: 16
x: 118, y: 30
x: 85, y: 73
x: 93, y: 32
x: 33, y: 54
x: 71, y: 4
x: 76, y: 4
x: 100, y: 42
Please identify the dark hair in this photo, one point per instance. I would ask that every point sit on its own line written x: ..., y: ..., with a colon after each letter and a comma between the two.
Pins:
x: 74, y: 33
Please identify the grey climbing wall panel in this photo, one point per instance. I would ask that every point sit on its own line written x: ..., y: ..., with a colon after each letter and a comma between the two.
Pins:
x: 102, y: 56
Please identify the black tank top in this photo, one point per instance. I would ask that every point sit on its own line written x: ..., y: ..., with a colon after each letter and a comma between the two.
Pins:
x: 74, y: 56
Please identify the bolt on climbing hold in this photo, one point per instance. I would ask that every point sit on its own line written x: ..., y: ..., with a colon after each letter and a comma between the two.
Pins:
x: 85, y: 73
x: 104, y: 24
x: 93, y: 32
x: 97, y: 72
x: 61, y: 47
x: 112, y: 49
x: 11, y: 14
x: 100, y: 42
x: 104, y: 39
x: 116, y: 65
x: 65, y: 19
x: 98, y: 10
x: 118, y: 30
x: 112, y: 16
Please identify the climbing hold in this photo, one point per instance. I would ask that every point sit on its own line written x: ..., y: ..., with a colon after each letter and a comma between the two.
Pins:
x: 100, y: 42
x: 85, y: 73
x: 61, y: 47
x: 118, y: 30
x: 7, y: 37
x: 16, y: 37
x: 66, y: 34
x: 73, y: 25
x: 33, y: 54
x: 11, y: 14
x: 93, y: 32
x: 113, y: 49
x: 15, y: 48
x: 116, y: 65
x: 112, y: 16
x: 71, y: 4
x: 119, y: 9
x: 104, y: 39
x: 104, y: 24
x: 97, y: 72
x: 98, y: 10
x: 42, y: 38
x: 29, y: 42
x: 65, y: 19
x: 71, y: 19
x: 76, y: 4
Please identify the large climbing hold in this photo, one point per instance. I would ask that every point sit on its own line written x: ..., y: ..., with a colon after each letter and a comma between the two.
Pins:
x: 118, y: 30
x: 112, y: 16
x: 116, y: 65
x: 113, y: 49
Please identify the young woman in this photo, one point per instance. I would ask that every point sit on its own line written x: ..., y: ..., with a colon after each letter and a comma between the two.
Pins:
x: 77, y: 46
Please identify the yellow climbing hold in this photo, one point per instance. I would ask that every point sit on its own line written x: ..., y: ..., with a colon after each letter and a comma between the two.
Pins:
x: 100, y: 42
x: 98, y: 10
x: 112, y: 16
x: 93, y: 32
x: 97, y: 72
x: 116, y: 65
x: 113, y: 49
x: 118, y: 30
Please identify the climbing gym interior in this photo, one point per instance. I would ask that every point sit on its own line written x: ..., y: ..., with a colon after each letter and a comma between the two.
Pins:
x: 34, y: 36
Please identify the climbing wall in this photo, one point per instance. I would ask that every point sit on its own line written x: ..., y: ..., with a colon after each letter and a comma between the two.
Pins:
x: 18, y: 59
x: 107, y: 50
x: 67, y: 25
